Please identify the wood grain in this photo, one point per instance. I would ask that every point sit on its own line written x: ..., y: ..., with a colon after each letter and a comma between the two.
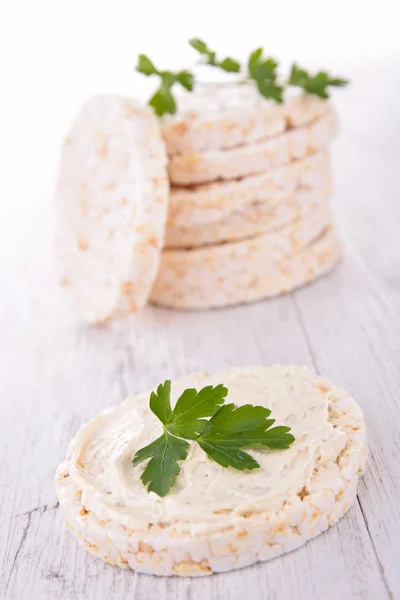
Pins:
x: 55, y: 374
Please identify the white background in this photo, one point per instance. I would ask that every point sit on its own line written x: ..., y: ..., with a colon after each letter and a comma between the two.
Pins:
x: 53, y: 54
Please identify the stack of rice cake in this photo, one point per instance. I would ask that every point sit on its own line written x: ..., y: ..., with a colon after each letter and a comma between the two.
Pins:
x: 250, y: 184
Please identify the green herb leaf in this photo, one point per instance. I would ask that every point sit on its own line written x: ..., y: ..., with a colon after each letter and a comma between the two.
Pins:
x: 276, y: 438
x: 191, y: 407
x: 232, y: 429
x: 199, y: 45
x: 316, y: 84
x: 228, y: 457
x: 263, y: 71
x: 186, y: 79
x: 230, y: 65
x: 210, y: 58
x: 270, y: 90
x: 229, y: 419
x: 162, y: 100
x: 145, y: 65
x: 261, y: 68
x: 160, y: 401
x: 163, y: 468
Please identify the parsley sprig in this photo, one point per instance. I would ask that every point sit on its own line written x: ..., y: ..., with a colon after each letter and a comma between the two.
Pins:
x: 260, y: 69
x: 223, y: 437
x: 316, y: 84
x: 209, y: 57
x: 263, y: 71
x: 162, y: 100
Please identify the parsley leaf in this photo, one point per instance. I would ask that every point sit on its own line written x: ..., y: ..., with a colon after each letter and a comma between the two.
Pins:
x: 162, y: 100
x: 163, y: 468
x: 228, y: 457
x: 276, y: 438
x: 191, y: 407
x: 160, y: 402
x: 185, y: 78
x: 232, y: 429
x: 316, y: 84
x: 145, y: 65
x: 229, y: 64
x: 263, y: 71
x: 210, y: 57
x: 229, y: 419
x: 201, y: 47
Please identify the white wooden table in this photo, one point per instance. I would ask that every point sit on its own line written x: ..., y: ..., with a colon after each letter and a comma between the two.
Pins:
x: 56, y: 374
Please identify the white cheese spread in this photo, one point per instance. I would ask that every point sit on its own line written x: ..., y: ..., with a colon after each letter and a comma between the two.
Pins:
x: 100, y: 456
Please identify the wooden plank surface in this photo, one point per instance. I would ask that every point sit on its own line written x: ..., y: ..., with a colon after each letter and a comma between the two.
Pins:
x: 55, y: 374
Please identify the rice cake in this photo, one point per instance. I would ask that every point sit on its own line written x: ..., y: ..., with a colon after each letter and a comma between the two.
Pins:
x: 211, y: 202
x: 239, y: 272
x: 241, y: 161
x: 111, y: 205
x: 257, y: 219
x: 227, y: 114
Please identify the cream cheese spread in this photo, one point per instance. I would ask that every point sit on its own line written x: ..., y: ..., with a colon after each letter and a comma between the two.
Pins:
x: 206, y: 494
x: 214, y: 98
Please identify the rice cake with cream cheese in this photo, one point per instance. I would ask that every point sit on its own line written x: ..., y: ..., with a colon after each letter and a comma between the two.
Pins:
x: 216, y: 519
x: 223, y: 115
